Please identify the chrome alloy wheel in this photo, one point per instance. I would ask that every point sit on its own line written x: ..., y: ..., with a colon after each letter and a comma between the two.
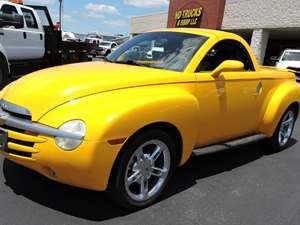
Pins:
x: 147, y: 170
x: 286, y: 128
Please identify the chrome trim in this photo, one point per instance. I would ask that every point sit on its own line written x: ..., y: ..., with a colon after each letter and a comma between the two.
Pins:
x: 3, y: 116
x: 10, y: 107
x: 228, y: 145
x: 7, y: 119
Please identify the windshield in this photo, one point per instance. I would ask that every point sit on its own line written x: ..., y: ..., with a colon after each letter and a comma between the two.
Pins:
x: 108, y: 38
x: 164, y: 50
x: 105, y: 43
x: 291, y: 56
x: 93, y: 36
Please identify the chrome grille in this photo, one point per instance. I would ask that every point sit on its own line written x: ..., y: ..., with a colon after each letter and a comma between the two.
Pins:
x: 17, y: 121
x: 24, y: 114
x: 15, y: 110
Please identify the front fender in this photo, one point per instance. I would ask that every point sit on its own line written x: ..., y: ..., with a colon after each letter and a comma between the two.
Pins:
x: 285, y: 95
x: 3, y: 52
x: 4, y: 57
x: 180, y: 110
x: 120, y: 114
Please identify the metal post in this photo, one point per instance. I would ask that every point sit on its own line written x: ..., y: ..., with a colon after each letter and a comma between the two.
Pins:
x: 61, y: 9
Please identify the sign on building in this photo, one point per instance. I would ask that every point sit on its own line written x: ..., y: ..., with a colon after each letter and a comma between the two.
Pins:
x: 188, y: 17
x: 196, y: 13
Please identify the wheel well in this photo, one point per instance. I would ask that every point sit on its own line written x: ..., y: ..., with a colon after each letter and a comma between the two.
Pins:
x: 3, y: 60
x: 5, y: 69
x: 166, y: 127
x: 170, y: 129
x: 295, y: 105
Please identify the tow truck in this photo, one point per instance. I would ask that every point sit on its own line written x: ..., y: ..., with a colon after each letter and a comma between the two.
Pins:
x: 29, y: 41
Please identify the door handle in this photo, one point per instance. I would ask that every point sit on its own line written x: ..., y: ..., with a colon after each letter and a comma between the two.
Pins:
x: 25, y: 35
x: 259, y: 88
x: 221, y: 91
x: 1, y: 33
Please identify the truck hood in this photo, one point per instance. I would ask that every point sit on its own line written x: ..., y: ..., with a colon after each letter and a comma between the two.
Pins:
x: 44, y: 90
x: 286, y: 64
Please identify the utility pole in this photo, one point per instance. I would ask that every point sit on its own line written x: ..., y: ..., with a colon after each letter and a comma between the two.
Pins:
x: 61, y: 13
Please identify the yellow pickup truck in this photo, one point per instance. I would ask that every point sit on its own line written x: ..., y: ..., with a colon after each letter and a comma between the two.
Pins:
x: 125, y: 124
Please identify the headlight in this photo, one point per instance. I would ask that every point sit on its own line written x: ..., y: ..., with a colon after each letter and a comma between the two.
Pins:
x: 75, y: 127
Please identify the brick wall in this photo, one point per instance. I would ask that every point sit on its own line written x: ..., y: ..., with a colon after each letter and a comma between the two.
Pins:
x: 145, y: 23
x: 254, y: 14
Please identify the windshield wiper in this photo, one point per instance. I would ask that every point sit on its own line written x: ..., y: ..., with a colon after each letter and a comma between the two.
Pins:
x: 128, y: 62
x: 134, y: 63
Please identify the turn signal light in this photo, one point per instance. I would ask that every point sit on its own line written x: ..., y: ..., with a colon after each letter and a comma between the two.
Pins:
x: 117, y: 141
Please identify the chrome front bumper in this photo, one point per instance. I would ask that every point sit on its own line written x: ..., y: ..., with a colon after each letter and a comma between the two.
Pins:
x: 6, y: 118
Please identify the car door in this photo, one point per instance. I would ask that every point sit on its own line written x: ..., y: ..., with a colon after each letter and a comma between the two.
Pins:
x: 11, y: 37
x: 229, y: 104
x: 34, y: 45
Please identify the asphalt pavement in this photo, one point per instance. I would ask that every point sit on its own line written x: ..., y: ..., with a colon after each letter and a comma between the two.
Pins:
x: 242, y: 186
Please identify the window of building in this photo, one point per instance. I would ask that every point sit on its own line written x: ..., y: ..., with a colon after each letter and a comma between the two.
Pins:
x: 225, y: 50
x: 30, y: 18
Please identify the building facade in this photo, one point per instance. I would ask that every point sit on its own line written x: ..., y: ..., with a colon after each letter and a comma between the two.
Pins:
x: 269, y: 26
x: 141, y: 24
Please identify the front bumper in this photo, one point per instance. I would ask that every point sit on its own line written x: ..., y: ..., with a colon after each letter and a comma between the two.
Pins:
x: 87, y: 167
x: 33, y: 145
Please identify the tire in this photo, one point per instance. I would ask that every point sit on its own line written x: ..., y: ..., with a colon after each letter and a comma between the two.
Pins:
x: 284, y: 131
x: 131, y: 175
x: 3, y: 73
x: 84, y: 58
x: 107, y: 53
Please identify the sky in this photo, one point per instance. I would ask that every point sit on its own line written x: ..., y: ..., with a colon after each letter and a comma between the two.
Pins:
x: 102, y: 16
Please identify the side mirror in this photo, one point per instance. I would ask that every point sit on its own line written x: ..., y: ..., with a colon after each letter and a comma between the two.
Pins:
x: 228, y: 66
x: 274, y: 59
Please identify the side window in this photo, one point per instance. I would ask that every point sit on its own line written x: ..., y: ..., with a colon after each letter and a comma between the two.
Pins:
x: 43, y: 17
x: 225, y: 50
x: 9, y: 9
x: 30, y: 18
x: 10, y: 14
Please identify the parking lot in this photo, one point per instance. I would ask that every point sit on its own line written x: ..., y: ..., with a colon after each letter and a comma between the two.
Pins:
x: 241, y: 186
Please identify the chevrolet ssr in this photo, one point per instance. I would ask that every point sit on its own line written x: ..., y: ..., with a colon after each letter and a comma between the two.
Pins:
x: 125, y: 124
